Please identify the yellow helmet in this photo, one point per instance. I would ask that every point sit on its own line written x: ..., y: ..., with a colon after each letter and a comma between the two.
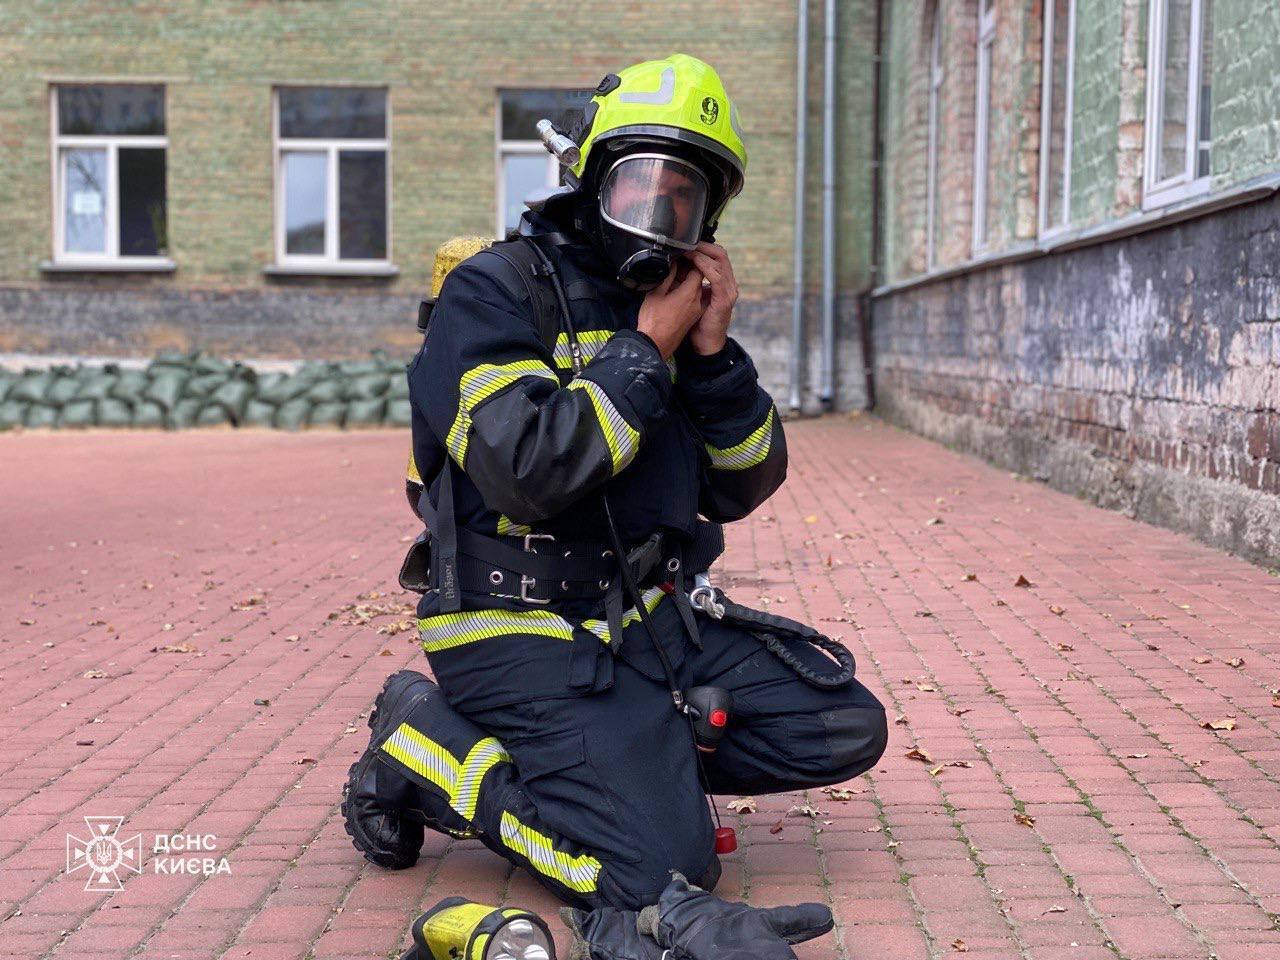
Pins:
x: 677, y: 101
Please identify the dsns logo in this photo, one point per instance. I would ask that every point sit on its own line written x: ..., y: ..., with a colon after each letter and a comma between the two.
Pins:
x: 710, y: 111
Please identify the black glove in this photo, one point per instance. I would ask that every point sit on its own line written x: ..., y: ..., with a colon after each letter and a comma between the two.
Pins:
x: 607, y: 933
x: 695, y: 925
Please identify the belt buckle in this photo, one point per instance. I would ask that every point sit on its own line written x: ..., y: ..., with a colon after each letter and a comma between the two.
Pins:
x: 527, y: 581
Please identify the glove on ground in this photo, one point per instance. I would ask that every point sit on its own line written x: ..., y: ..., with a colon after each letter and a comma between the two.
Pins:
x: 607, y: 933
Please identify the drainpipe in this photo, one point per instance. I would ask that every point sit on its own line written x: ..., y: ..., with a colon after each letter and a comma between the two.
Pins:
x: 828, y: 389
x: 802, y: 130
x: 877, y: 168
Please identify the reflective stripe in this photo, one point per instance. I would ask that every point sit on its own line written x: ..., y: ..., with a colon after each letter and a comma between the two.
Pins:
x: 577, y: 873
x: 663, y: 95
x: 423, y: 756
x: 622, y: 438
x: 652, y: 597
x: 480, y: 383
x: 753, y: 450
x: 430, y: 760
x: 509, y: 528
x: 589, y: 342
x: 411, y: 470
x: 446, y: 630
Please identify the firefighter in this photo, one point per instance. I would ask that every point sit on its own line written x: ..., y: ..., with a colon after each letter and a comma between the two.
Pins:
x: 583, y: 425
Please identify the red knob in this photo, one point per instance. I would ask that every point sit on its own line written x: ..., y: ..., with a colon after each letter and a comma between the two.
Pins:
x: 719, y: 718
x: 726, y: 840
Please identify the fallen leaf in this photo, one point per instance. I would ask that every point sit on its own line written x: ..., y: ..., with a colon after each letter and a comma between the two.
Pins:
x: 1200, y: 659
x: 1056, y: 610
x: 84, y: 743
x: 1152, y: 646
x: 94, y: 674
x: 805, y: 811
x: 900, y: 719
x: 304, y: 760
x: 183, y: 647
x: 386, y: 653
x: 934, y: 771
x: 1056, y: 908
x: 1025, y: 819
x: 1136, y: 756
x: 248, y: 603
x: 776, y: 828
x: 1236, y: 662
x: 933, y: 521
x: 959, y: 711
x: 969, y: 577
x: 924, y: 613
x: 396, y: 626
x: 874, y: 828
x: 918, y: 753
x: 926, y: 688
x: 262, y: 702
x: 1065, y: 647
x: 1022, y: 581
x: 840, y: 794
x: 811, y: 518
x: 965, y: 764
x: 1227, y: 723
x: 743, y: 805
x: 959, y: 945
x: 27, y: 622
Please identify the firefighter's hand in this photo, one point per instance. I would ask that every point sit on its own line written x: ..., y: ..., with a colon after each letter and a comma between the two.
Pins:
x: 718, y: 297
x: 672, y: 308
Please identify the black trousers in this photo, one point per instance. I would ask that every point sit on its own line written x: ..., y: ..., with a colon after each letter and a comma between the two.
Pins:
x: 602, y: 768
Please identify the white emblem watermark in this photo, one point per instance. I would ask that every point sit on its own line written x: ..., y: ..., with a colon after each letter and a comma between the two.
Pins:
x: 106, y: 856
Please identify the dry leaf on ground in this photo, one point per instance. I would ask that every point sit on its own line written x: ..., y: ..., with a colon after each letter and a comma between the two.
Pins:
x: 1199, y: 659
x: 969, y: 577
x: 919, y: 753
x: 247, y: 603
x: 841, y: 793
x: 1025, y: 819
x: 959, y: 945
x: 1022, y: 581
x: 94, y: 674
x: 1065, y: 647
x: 743, y: 805
x: 805, y: 810
x: 1056, y: 908
x: 1226, y: 723
x: 776, y: 828
x: 175, y: 648
x: 1056, y: 610
x: 1236, y: 662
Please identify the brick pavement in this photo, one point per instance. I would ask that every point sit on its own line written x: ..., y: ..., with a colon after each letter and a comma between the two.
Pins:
x: 1071, y: 804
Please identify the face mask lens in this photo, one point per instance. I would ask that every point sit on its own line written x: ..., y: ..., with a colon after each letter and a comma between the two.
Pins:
x: 658, y: 198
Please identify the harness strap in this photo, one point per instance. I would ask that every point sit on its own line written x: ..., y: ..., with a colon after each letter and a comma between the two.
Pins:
x: 772, y: 630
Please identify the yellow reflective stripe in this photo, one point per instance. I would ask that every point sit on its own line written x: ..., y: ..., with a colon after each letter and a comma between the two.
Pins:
x: 411, y: 471
x: 430, y: 760
x: 652, y: 597
x: 446, y: 630
x: 509, y: 528
x: 622, y: 439
x: 577, y: 873
x: 484, y: 756
x: 480, y: 383
x: 753, y: 450
x: 589, y: 342
x: 423, y: 756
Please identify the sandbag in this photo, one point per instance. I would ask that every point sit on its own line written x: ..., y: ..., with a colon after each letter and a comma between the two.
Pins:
x: 364, y: 413
x: 114, y: 412
x: 61, y: 390
x: 368, y: 386
x: 184, y: 412
x: 78, y: 414
x: 148, y: 413
x: 13, y: 413
x: 292, y: 414
x: 358, y: 368
x: 213, y: 415
x: 31, y: 388
x: 201, y: 385
x: 130, y: 386
x: 327, y: 414
x: 232, y: 396
x: 398, y: 387
x: 203, y: 364
x: 41, y: 415
x: 166, y: 389
x: 399, y: 413
x: 171, y: 361
x: 318, y: 369
x: 257, y: 414
x: 325, y: 391
x: 96, y: 386
x: 7, y: 381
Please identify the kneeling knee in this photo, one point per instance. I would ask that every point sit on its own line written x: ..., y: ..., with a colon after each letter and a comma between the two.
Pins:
x: 857, y: 737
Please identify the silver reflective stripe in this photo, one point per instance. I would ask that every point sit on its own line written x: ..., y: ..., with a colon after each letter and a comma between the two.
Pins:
x: 733, y: 122
x: 665, y: 93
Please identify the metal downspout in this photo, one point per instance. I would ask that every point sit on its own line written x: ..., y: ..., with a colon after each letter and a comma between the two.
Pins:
x: 828, y: 388
x: 877, y: 173
x: 802, y: 130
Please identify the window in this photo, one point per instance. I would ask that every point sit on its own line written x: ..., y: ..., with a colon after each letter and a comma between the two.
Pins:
x: 109, y: 175
x: 1058, y: 65
x: 524, y: 165
x: 331, y: 177
x: 936, y: 77
x: 1179, y: 100
x: 982, y: 192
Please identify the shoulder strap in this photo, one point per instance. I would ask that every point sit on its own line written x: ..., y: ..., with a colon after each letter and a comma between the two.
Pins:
x: 523, y: 264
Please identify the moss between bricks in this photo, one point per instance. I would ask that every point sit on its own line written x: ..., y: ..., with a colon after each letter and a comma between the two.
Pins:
x: 180, y: 391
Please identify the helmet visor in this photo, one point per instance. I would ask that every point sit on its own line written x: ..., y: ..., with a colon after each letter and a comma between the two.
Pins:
x: 657, y: 197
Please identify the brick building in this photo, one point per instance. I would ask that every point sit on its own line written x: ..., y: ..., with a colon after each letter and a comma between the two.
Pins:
x: 1074, y: 213
x: 272, y: 179
x: 1080, y: 248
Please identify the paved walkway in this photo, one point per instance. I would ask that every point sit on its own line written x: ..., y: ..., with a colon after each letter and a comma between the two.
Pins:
x: 193, y: 626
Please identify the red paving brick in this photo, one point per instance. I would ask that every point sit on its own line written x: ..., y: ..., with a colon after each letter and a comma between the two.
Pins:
x: 1075, y: 704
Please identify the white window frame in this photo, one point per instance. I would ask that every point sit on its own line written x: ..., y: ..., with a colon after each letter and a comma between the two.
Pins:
x: 1184, y: 185
x: 1047, y: 231
x: 982, y: 126
x: 111, y: 143
x: 512, y: 148
x: 937, y: 76
x: 331, y: 147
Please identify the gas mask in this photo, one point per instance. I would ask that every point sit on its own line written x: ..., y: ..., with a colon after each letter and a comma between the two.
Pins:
x: 652, y: 208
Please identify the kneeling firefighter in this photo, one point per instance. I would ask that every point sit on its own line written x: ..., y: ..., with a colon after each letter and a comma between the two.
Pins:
x: 583, y: 424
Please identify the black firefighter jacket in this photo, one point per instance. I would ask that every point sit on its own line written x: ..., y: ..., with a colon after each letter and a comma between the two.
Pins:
x: 532, y: 446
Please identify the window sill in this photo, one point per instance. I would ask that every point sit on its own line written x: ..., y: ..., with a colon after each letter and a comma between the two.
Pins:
x: 122, y: 265
x: 331, y: 270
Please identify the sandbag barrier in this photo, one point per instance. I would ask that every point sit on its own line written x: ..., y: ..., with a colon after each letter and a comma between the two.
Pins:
x: 179, y: 391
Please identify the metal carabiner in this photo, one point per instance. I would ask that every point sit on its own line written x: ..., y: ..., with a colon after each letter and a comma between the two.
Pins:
x: 703, y: 596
